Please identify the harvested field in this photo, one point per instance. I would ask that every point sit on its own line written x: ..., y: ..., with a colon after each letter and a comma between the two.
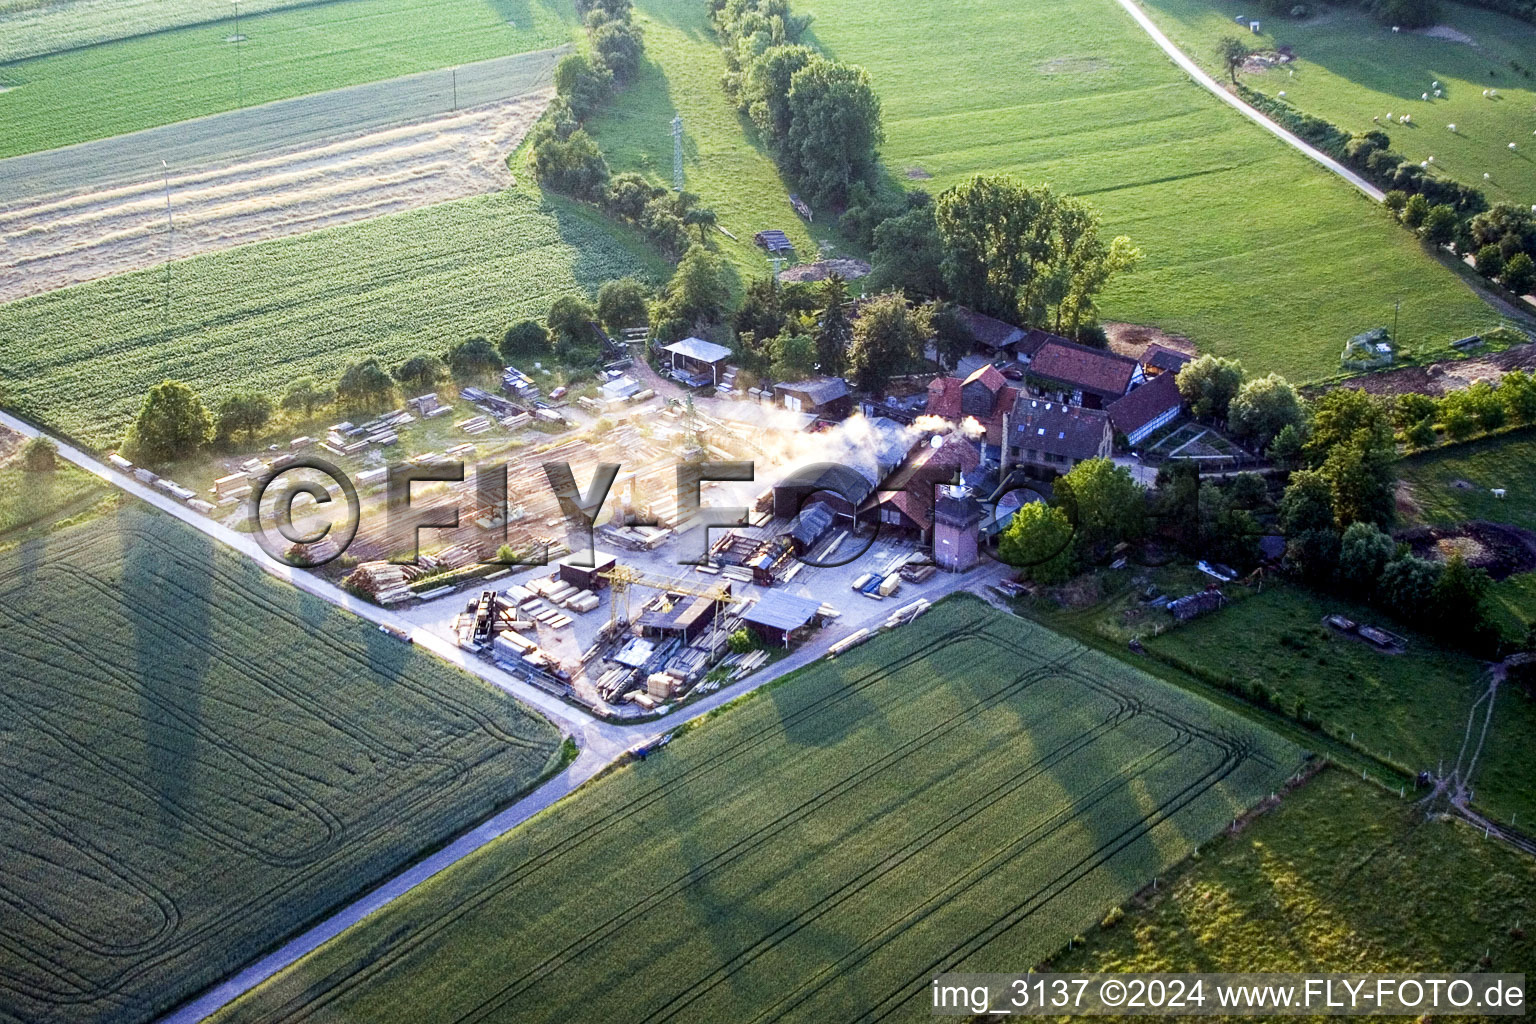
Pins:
x: 1501, y: 550
x: 966, y: 792
x: 63, y: 240
x: 198, y: 760
x: 823, y: 269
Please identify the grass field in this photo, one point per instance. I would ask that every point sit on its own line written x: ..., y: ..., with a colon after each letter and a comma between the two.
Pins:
x: 199, y: 760
x: 30, y: 28
x: 1351, y: 69
x: 1506, y: 460
x: 822, y: 849
x: 1252, y: 250
x: 723, y: 162
x: 258, y: 316
x: 121, y: 86
x: 1410, y: 709
x: 30, y: 498
x: 1341, y: 877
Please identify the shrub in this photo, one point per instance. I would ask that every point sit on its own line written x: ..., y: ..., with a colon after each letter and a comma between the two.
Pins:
x: 1490, y: 260
x: 39, y: 455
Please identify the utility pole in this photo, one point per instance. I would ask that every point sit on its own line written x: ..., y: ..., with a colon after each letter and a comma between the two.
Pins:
x: 455, y: 88
x: 677, y: 153
x: 1397, y: 307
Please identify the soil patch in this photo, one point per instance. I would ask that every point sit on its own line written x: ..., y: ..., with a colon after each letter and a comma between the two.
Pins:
x: 58, y: 240
x: 1132, y: 339
x: 1501, y: 549
x: 918, y: 174
x: 823, y: 269
x: 1437, y: 379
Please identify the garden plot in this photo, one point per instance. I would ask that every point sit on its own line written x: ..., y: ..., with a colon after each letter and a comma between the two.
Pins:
x: 967, y: 792
x: 196, y: 760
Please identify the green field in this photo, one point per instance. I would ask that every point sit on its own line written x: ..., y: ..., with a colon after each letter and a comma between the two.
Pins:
x: 30, y: 28
x: 1410, y: 709
x: 1350, y: 69
x: 1505, y: 460
x: 200, y: 760
x: 97, y: 91
x: 258, y: 316
x: 29, y: 498
x: 969, y: 791
x: 1341, y: 877
x: 723, y: 162
x: 1252, y: 250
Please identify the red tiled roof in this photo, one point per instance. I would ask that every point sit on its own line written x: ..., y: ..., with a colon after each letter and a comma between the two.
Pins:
x: 911, y: 488
x: 1145, y: 404
x: 990, y: 376
x: 944, y: 402
x: 1087, y: 369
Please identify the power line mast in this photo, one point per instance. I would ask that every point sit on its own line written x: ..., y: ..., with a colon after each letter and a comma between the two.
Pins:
x: 677, y: 153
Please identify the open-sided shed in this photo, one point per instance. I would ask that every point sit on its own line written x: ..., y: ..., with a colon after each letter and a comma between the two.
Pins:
x: 777, y: 615
x: 695, y: 357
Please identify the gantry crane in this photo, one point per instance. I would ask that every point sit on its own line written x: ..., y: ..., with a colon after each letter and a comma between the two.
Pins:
x: 623, y: 577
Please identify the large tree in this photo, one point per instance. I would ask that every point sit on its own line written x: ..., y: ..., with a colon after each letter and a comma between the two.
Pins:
x: 794, y: 357
x: 306, y: 395
x: 247, y: 411
x: 1104, y: 502
x: 623, y: 303
x: 700, y: 289
x: 1209, y: 384
x: 525, y: 338
x: 365, y: 386
x: 1021, y: 252
x: 1364, y: 552
x: 1038, y: 542
x: 473, y: 359
x: 834, y: 331
x: 570, y: 324
x: 1263, y: 407
x: 1232, y: 52
x: 888, y: 338
x: 834, y: 129
x: 765, y: 95
x: 171, y: 424
x: 908, y: 254
x: 421, y: 372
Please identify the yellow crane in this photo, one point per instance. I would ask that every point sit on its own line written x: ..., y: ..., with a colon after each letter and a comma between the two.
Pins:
x: 623, y: 577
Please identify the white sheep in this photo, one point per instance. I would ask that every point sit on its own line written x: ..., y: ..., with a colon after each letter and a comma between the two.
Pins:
x: 1282, y: 94
x: 1487, y: 176
x: 1435, y: 84
x: 1424, y: 96
x: 1423, y: 163
x: 1451, y: 127
x: 1437, y: 94
x: 1405, y: 119
x: 1430, y: 160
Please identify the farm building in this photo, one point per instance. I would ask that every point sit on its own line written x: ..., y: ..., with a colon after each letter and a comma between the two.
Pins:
x: 808, y: 528
x: 957, y: 518
x: 697, y: 362
x: 680, y: 617
x: 905, y: 501
x: 1084, y: 376
x: 1000, y: 338
x: 1192, y: 606
x: 985, y: 396
x: 1158, y: 359
x: 1155, y: 404
x: 825, y: 397
x: 1052, y: 437
x: 841, y: 488
x: 777, y: 616
x: 586, y: 577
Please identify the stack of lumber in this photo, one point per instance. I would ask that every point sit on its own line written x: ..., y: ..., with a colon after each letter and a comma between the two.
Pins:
x: 848, y: 642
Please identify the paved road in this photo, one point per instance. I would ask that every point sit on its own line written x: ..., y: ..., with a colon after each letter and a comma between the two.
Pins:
x: 601, y: 742
x: 1220, y: 92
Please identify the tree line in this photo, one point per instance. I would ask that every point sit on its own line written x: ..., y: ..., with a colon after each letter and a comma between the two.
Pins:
x: 565, y: 158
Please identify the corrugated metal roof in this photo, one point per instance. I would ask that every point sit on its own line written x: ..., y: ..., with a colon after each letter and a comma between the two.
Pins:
x: 698, y: 348
x: 778, y: 610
